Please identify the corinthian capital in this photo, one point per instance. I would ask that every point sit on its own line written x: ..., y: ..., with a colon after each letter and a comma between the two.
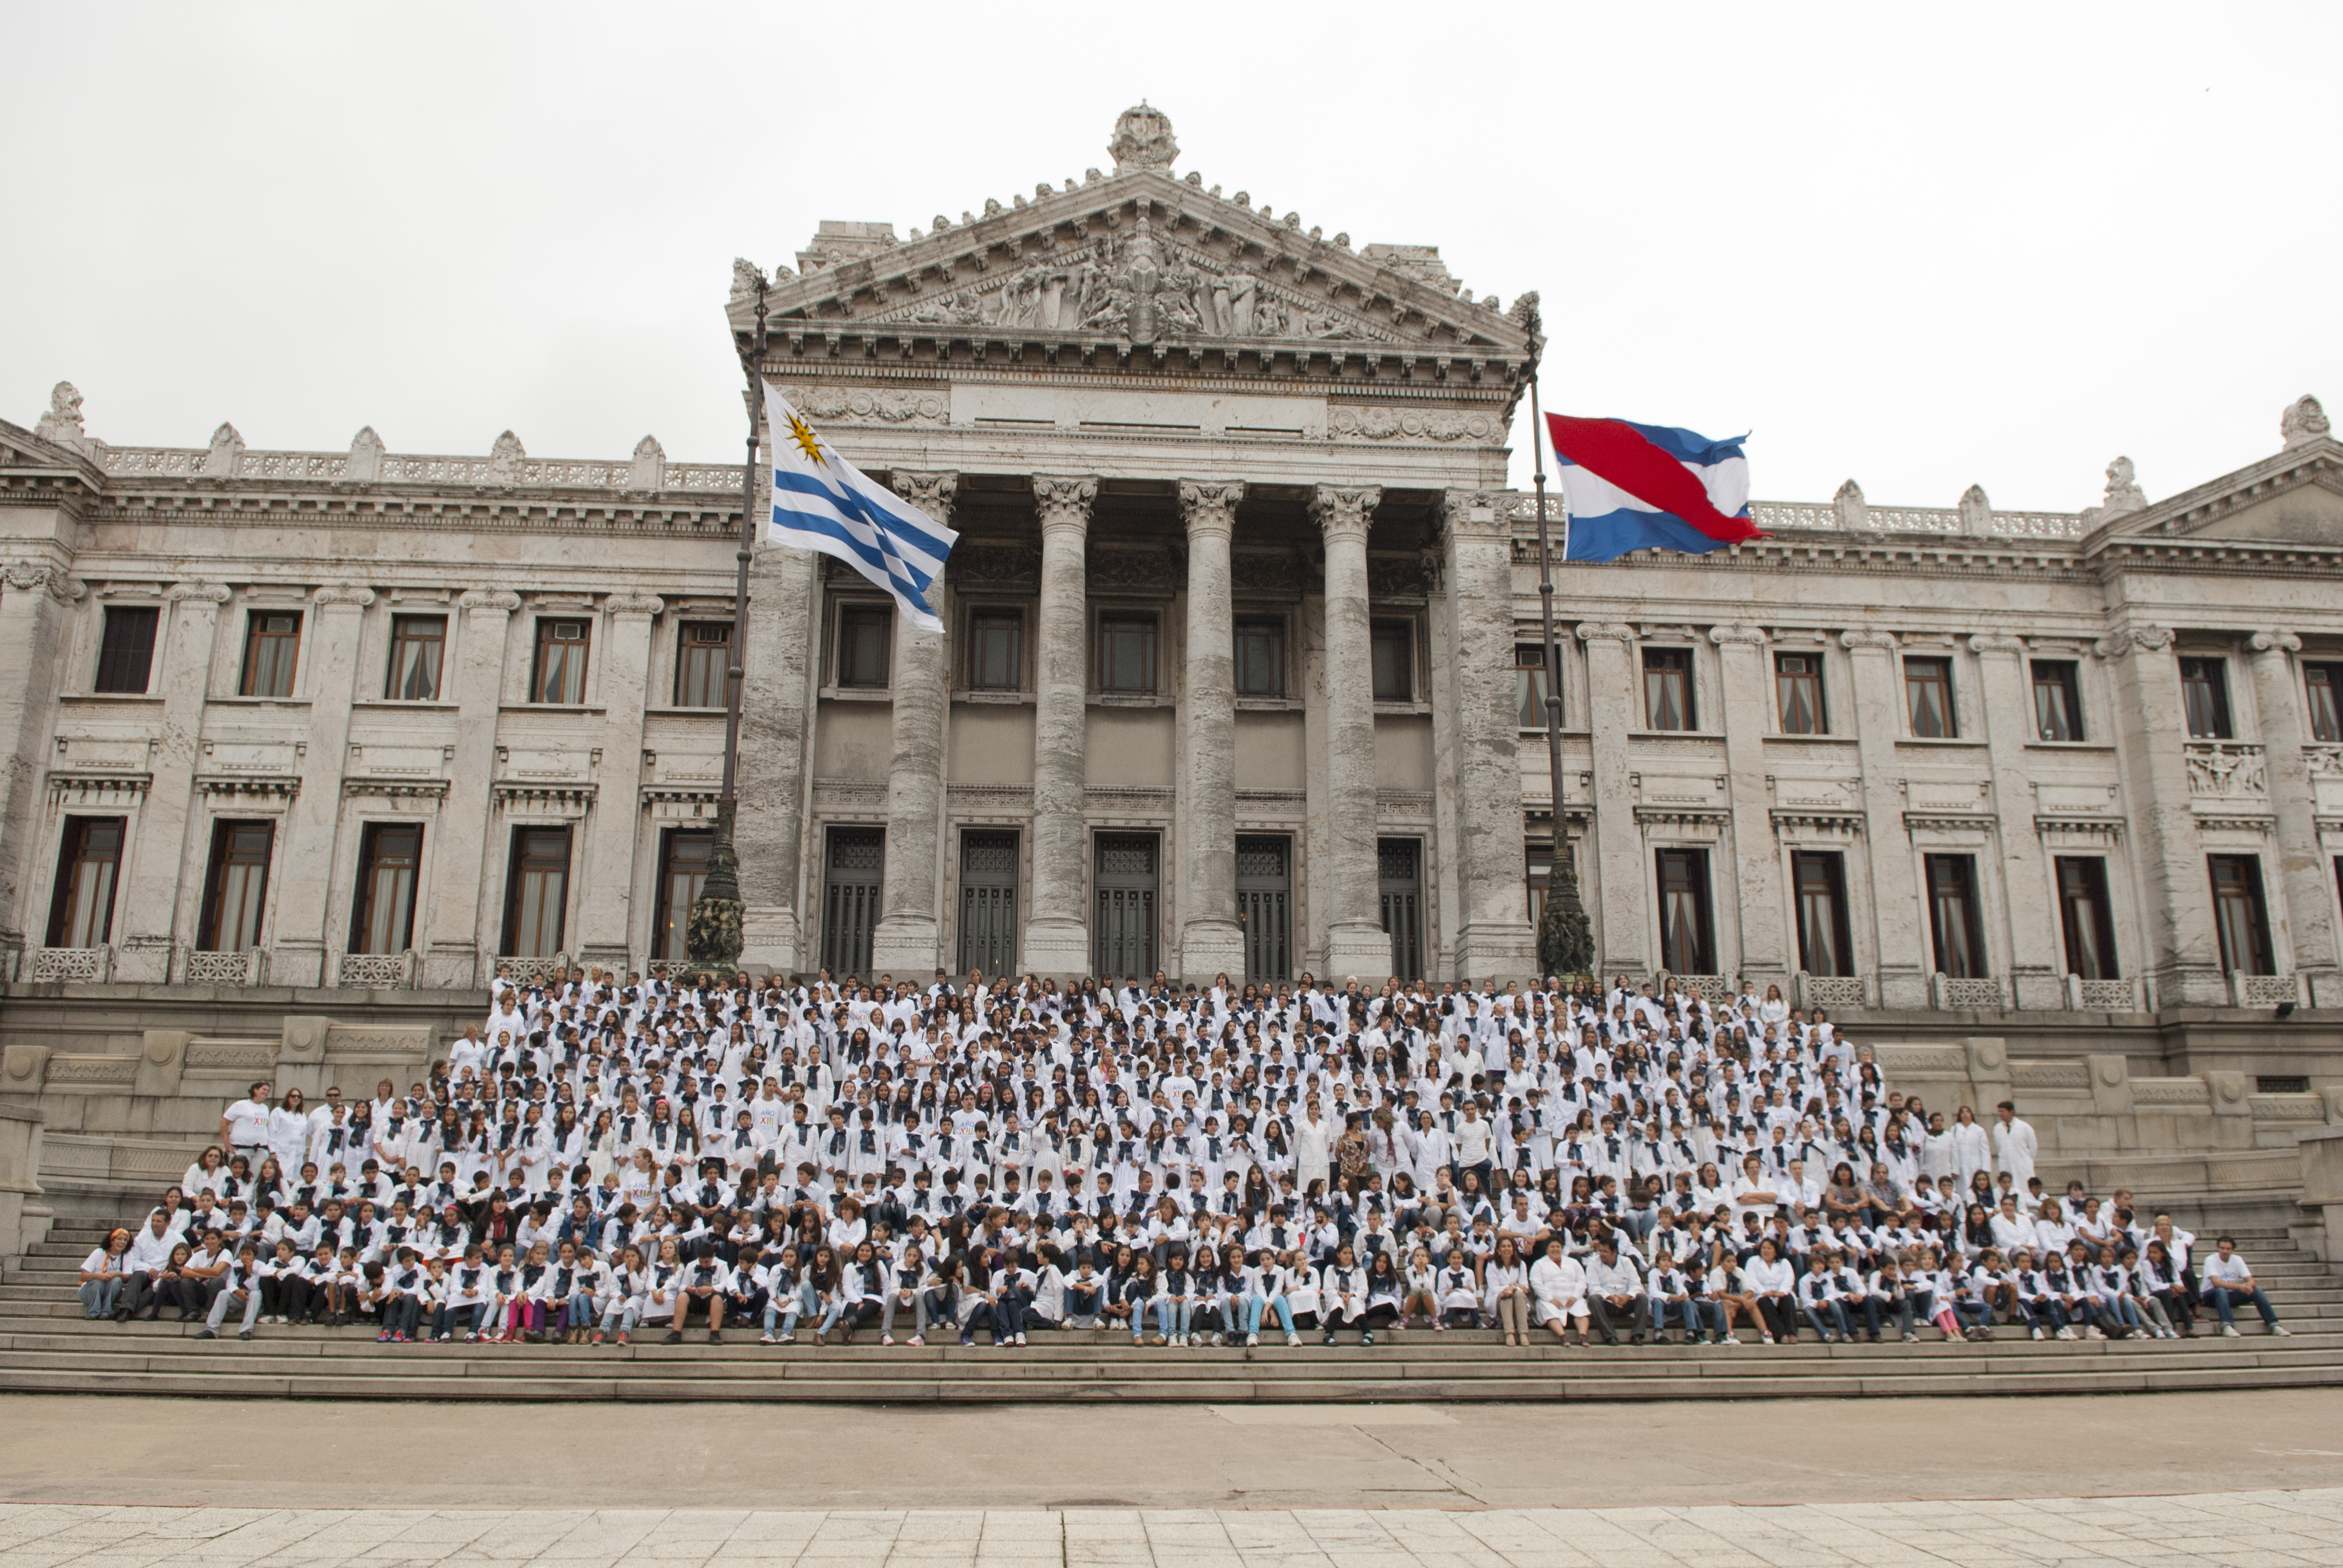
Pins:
x: 1475, y: 511
x: 2275, y: 641
x: 1064, y: 502
x: 23, y: 577
x: 931, y: 493
x: 1342, y: 510
x: 1210, y: 508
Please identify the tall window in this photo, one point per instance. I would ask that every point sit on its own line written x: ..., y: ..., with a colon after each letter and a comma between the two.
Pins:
x: 1259, y: 650
x: 2205, y: 697
x: 537, y: 892
x: 2239, y: 916
x: 271, y: 645
x: 1685, y: 945
x: 1539, y: 880
x: 1667, y: 693
x: 2057, y: 700
x: 2088, y: 919
x: 996, y: 650
x: 2325, y: 683
x: 1126, y: 657
x: 559, y: 675
x: 701, y: 659
x: 1798, y: 692
x: 1929, y: 695
x: 1820, y: 877
x: 233, y: 890
x: 1954, y: 920
x: 683, y: 872
x: 81, y: 911
x: 417, y: 643
x: 382, y: 920
x: 1391, y: 645
x: 126, y: 649
x: 1530, y: 684
x: 866, y: 634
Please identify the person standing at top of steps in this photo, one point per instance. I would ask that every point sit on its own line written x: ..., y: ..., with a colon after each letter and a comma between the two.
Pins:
x: 2015, y: 1145
x: 244, y: 1125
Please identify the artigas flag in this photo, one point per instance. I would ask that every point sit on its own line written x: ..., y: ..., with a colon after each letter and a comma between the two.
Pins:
x: 1633, y: 486
x: 822, y: 502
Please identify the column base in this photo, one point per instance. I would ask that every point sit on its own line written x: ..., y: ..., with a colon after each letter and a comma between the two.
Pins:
x: 904, y: 946
x: 1216, y: 946
x: 1362, y: 951
x: 1500, y: 950
x: 1057, y: 948
x: 770, y: 935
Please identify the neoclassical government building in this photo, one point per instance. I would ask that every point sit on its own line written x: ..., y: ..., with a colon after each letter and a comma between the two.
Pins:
x: 1240, y: 673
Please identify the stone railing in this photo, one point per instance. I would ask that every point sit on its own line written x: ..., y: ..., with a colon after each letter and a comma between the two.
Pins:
x: 1966, y: 993
x: 2264, y: 990
x: 376, y: 972
x: 2227, y: 771
x: 1831, y: 992
x: 334, y: 467
x: 522, y: 971
x: 247, y: 968
x: 2110, y: 995
x: 89, y: 965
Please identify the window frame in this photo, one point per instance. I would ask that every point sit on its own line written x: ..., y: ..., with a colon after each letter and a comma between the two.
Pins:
x: 1382, y: 631
x: 851, y: 615
x: 1979, y: 964
x: 2064, y: 676
x: 547, y: 638
x: 371, y: 862
x: 2088, y: 886
x: 1812, y: 678
x: 2324, y: 696
x: 1149, y: 624
x: 1698, y: 881
x: 401, y: 626
x: 1662, y: 663
x: 1922, y: 673
x: 284, y: 645
x: 668, y: 922
x: 2212, y: 677
x: 1274, y: 627
x: 993, y: 618
x: 690, y: 650
x: 1531, y: 681
x: 114, y: 663
x: 1832, y: 865
x: 2250, y: 892
x: 517, y: 869
x: 216, y: 873
x: 64, y: 896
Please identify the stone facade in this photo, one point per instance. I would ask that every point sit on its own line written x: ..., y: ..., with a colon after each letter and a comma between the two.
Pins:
x: 1228, y: 685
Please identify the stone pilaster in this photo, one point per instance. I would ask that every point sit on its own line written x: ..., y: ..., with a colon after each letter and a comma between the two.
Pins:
x: 1767, y: 950
x: 459, y: 928
x: 297, y: 954
x: 164, y: 861
x: 768, y: 825
x: 2038, y: 966
x: 1900, y: 935
x: 1614, y: 705
x: 1057, y: 937
x: 2305, y: 882
x: 1211, y: 940
x: 605, y: 901
x: 1493, y: 935
x: 1356, y: 943
x: 2152, y: 738
x: 905, y: 945
x: 34, y: 596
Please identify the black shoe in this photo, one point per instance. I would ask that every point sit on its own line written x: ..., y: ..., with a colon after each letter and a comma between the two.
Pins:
x: 714, y: 1338
x: 675, y: 1336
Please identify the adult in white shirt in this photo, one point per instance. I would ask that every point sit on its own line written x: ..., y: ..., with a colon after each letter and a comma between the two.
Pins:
x: 2014, y: 1146
x: 2229, y: 1284
x: 1615, y: 1290
x: 1558, y: 1292
x: 1313, y: 1145
x: 1972, y: 1150
x: 244, y: 1125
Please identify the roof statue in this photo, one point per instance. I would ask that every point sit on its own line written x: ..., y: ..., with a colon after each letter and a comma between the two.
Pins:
x: 2303, y: 422
x: 62, y: 424
x: 1142, y: 139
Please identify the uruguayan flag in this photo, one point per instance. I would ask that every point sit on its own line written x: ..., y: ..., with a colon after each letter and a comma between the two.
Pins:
x: 822, y: 502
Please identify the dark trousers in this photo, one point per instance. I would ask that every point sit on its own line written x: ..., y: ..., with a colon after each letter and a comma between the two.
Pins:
x: 1635, y: 1317
x: 287, y: 1296
x: 1780, y: 1315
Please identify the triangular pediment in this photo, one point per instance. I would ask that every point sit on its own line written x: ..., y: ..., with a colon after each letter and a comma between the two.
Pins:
x: 21, y: 449
x: 1141, y: 256
x: 2291, y: 498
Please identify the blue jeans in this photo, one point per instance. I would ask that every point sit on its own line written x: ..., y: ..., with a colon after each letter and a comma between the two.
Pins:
x: 2227, y: 1302
x: 1172, y: 1316
x: 1837, y: 1319
x: 1251, y: 1307
x: 98, y: 1296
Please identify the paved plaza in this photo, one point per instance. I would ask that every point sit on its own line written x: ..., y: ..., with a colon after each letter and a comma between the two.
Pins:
x: 2233, y: 1530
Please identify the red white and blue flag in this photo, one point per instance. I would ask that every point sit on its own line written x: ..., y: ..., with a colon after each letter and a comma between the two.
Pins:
x: 1630, y: 486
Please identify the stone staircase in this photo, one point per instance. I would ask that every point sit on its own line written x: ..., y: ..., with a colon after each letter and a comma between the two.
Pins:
x: 45, y: 1346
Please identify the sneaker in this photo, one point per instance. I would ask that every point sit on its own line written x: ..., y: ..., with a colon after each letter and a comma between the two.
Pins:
x: 675, y: 1336
x: 915, y: 1341
x: 2281, y: 1331
x: 1251, y: 1340
x: 2230, y: 1330
x: 622, y: 1337
x: 2040, y: 1332
x: 968, y: 1340
x: 714, y: 1338
x: 766, y: 1338
x: 787, y: 1337
x: 243, y: 1333
x: 1366, y: 1338
x: 1912, y: 1339
x: 383, y: 1338
x: 2068, y: 1333
x: 1292, y: 1340
x: 1728, y: 1340
x: 1219, y: 1339
x: 2093, y: 1332
x: 1021, y: 1341
x: 886, y: 1338
x: 210, y: 1333
x: 1329, y: 1339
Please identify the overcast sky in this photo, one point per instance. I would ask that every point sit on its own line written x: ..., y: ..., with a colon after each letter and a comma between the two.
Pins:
x: 1922, y: 247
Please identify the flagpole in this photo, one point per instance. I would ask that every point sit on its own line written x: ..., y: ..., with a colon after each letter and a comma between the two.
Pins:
x: 1566, y: 942
x: 714, y: 936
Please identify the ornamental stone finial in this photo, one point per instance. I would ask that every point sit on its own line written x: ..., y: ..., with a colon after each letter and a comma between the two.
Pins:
x: 2303, y: 422
x: 647, y: 472
x: 1853, y: 511
x: 227, y: 453
x: 505, y: 459
x: 364, y: 466
x: 1976, y: 511
x: 1142, y: 139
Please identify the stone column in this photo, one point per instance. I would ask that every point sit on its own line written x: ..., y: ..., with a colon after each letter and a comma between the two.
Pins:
x: 2305, y: 885
x: 1900, y: 931
x: 165, y: 859
x: 606, y: 874
x: 905, y: 944
x: 1356, y: 943
x: 1768, y: 950
x: 1057, y: 937
x: 1211, y: 940
x: 769, y: 823
x: 1493, y: 939
x: 2176, y: 895
x: 312, y: 822
x: 1614, y: 705
x: 2038, y: 952
x: 33, y: 596
x: 459, y: 929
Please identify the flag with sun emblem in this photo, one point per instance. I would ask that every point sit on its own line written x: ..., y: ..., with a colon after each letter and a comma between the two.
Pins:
x: 822, y: 502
